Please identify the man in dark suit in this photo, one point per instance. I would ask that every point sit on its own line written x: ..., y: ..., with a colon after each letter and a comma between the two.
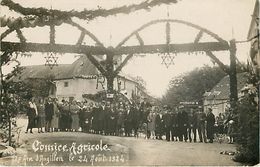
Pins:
x: 210, y: 125
x: 174, y: 129
x: 129, y: 115
x: 201, y: 118
x: 49, y: 112
x: 159, y: 126
x: 107, y: 118
x: 95, y: 118
x: 136, y: 119
x: 167, y: 122
x: 192, y: 126
x: 101, y: 117
x: 145, y: 108
x: 182, y: 119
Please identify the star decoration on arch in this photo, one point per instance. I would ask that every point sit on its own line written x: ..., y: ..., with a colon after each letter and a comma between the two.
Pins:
x: 167, y: 60
x: 51, y: 60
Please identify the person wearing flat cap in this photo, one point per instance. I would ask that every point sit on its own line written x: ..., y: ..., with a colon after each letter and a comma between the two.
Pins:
x: 167, y: 122
x: 182, y: 121
x: 210, y: 125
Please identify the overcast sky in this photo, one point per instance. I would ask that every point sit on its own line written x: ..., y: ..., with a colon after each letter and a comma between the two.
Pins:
x: 227, y: 18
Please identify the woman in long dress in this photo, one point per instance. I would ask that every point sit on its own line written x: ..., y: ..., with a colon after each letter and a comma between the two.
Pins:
x: 56, y: 115
x: 151, y: 124
x: 31, y: 113
x: 74, y: 109
x: 41, y: 116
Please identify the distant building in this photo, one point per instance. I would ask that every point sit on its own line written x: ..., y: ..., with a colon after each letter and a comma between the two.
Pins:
x: 253, y: 35
x: 74, y: 81
x: 254, y: 56
x: 218, y: 97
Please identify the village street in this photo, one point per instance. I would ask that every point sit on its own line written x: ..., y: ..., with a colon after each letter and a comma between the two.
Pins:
x: 131, y: 151
x: 129, y: 83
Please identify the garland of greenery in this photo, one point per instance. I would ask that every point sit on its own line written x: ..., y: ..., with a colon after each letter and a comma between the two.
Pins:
x: 29, y: 21
x: 42, y: 17
x: 168, y: 35
x: 52, y: 34
x: 85, y: 14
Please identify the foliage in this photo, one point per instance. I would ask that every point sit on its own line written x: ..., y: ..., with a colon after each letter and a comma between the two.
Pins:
x: 40, y: 87
x: 192, y: 86
x: 14, y: 96
x: 102, y: 95
x: 42, y: 16
x: 141, y: 82
x: 248, y: 124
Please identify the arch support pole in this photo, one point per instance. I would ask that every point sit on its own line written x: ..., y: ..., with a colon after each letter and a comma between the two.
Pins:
x: 110, y: 72
x: 233, y: 76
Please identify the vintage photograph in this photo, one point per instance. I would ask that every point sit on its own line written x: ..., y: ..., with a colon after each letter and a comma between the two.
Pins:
x: 129, y: 83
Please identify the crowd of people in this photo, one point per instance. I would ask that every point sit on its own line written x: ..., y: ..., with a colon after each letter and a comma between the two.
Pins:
x: 125, y: 119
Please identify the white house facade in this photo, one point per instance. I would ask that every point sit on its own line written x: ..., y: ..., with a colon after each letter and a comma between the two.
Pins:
x: 73, y: 81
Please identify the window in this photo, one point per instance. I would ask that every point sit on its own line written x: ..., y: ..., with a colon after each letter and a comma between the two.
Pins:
x: 66, y: 84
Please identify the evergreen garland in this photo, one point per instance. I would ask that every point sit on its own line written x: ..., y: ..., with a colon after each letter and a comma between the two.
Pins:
x: 39, y: 13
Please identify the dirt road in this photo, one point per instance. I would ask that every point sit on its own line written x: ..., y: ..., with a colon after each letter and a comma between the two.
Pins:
x: 122, y: 151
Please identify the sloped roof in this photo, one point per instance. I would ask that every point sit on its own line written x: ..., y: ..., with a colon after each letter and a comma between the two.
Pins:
x: 255, y: 15
x: 221, y: 90
x: 82, y: 67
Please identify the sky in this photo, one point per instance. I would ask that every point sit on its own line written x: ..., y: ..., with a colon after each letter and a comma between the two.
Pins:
x: 229, y: 19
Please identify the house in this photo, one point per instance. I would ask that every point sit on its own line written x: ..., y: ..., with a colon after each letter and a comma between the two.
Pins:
x: 75, y: 81
x: 253, y: 36
x: 254, y: 56
x: 218, y: 97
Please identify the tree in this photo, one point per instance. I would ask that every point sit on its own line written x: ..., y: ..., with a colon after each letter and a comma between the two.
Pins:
x: 191, y: 86
x: 33, y: 17
x: 40, y: 87
x: 247, y: 123
x: 141, y: 82
x: 14, y: 96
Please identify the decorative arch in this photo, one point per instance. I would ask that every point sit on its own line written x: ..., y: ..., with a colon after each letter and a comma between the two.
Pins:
x: 199, y: 35
x: 108, y: 68
x: 52, y: 25
x: 206, y: 47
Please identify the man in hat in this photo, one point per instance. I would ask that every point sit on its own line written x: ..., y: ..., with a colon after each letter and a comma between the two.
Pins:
x: 210, y: 125
x: 129, y: 116
x: 192, y: 125
x: 159, y: 127
x: 136, y: 119
x: 49, y: 112
x: 201, y: 118
x: 167, y: 121
x: 101, y: 117
x: 182, y: 121
x: 95, y: 117
x: 174, y: 129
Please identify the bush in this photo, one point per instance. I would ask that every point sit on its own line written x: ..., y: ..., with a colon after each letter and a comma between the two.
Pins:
x: 248, y: 127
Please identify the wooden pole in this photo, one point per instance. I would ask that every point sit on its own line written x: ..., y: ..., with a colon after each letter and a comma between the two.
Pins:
x: 110, y: 72
x: 233, y: 76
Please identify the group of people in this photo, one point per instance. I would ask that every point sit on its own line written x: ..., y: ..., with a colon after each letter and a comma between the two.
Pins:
x: 181, y: 125
x: 122, y: 119
x: 43, y: 115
